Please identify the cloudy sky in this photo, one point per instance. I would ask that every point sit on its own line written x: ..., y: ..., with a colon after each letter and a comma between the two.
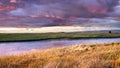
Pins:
x: 39, y: 13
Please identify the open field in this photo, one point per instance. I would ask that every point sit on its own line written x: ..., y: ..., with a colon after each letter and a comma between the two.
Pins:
x: 77, y: 56
x: 45, y: 36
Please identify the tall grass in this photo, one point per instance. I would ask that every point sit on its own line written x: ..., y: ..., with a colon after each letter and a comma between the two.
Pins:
x: 77, y: 56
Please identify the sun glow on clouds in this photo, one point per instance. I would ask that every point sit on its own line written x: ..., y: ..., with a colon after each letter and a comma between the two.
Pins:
x: 54, y: 29
x: 46, y: 15
x: 13, y: 1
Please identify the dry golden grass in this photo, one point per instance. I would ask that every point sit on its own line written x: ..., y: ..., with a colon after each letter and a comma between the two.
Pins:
x: 77, y: 56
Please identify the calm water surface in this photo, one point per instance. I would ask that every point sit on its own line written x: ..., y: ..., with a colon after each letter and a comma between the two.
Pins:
x: 24, y: 47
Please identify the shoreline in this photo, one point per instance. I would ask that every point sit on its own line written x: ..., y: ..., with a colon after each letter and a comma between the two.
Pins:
x: 56, y: 39
x: 71, y: 46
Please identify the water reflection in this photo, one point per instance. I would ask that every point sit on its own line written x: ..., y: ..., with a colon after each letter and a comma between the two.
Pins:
x: 23, y: 47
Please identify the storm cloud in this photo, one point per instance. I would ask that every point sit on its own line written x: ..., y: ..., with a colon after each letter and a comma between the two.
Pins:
x: 78, y: 8
x: 36, y: 13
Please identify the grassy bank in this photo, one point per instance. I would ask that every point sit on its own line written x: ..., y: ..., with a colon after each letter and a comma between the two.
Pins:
x: 46, y: 36
x: 84, y: 56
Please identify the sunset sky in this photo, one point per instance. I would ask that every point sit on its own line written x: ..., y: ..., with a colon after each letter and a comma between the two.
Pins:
x: 42, y: 13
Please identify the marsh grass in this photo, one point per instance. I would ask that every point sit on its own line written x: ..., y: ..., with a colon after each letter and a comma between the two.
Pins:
x: 15, y: 37
x: 78, y: 56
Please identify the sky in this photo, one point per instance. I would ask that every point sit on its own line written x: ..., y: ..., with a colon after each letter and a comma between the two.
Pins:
x: 42, y: 13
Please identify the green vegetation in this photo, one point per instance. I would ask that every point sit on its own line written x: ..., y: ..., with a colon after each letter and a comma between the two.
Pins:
x: 85, y: 56
x: 46, y: 36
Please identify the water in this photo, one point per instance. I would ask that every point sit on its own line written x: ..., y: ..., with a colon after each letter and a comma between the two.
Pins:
x: 24, y: 47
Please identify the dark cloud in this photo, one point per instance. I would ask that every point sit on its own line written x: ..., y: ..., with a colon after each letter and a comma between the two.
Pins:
x: 35, y: 13
x: 79, y: 8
